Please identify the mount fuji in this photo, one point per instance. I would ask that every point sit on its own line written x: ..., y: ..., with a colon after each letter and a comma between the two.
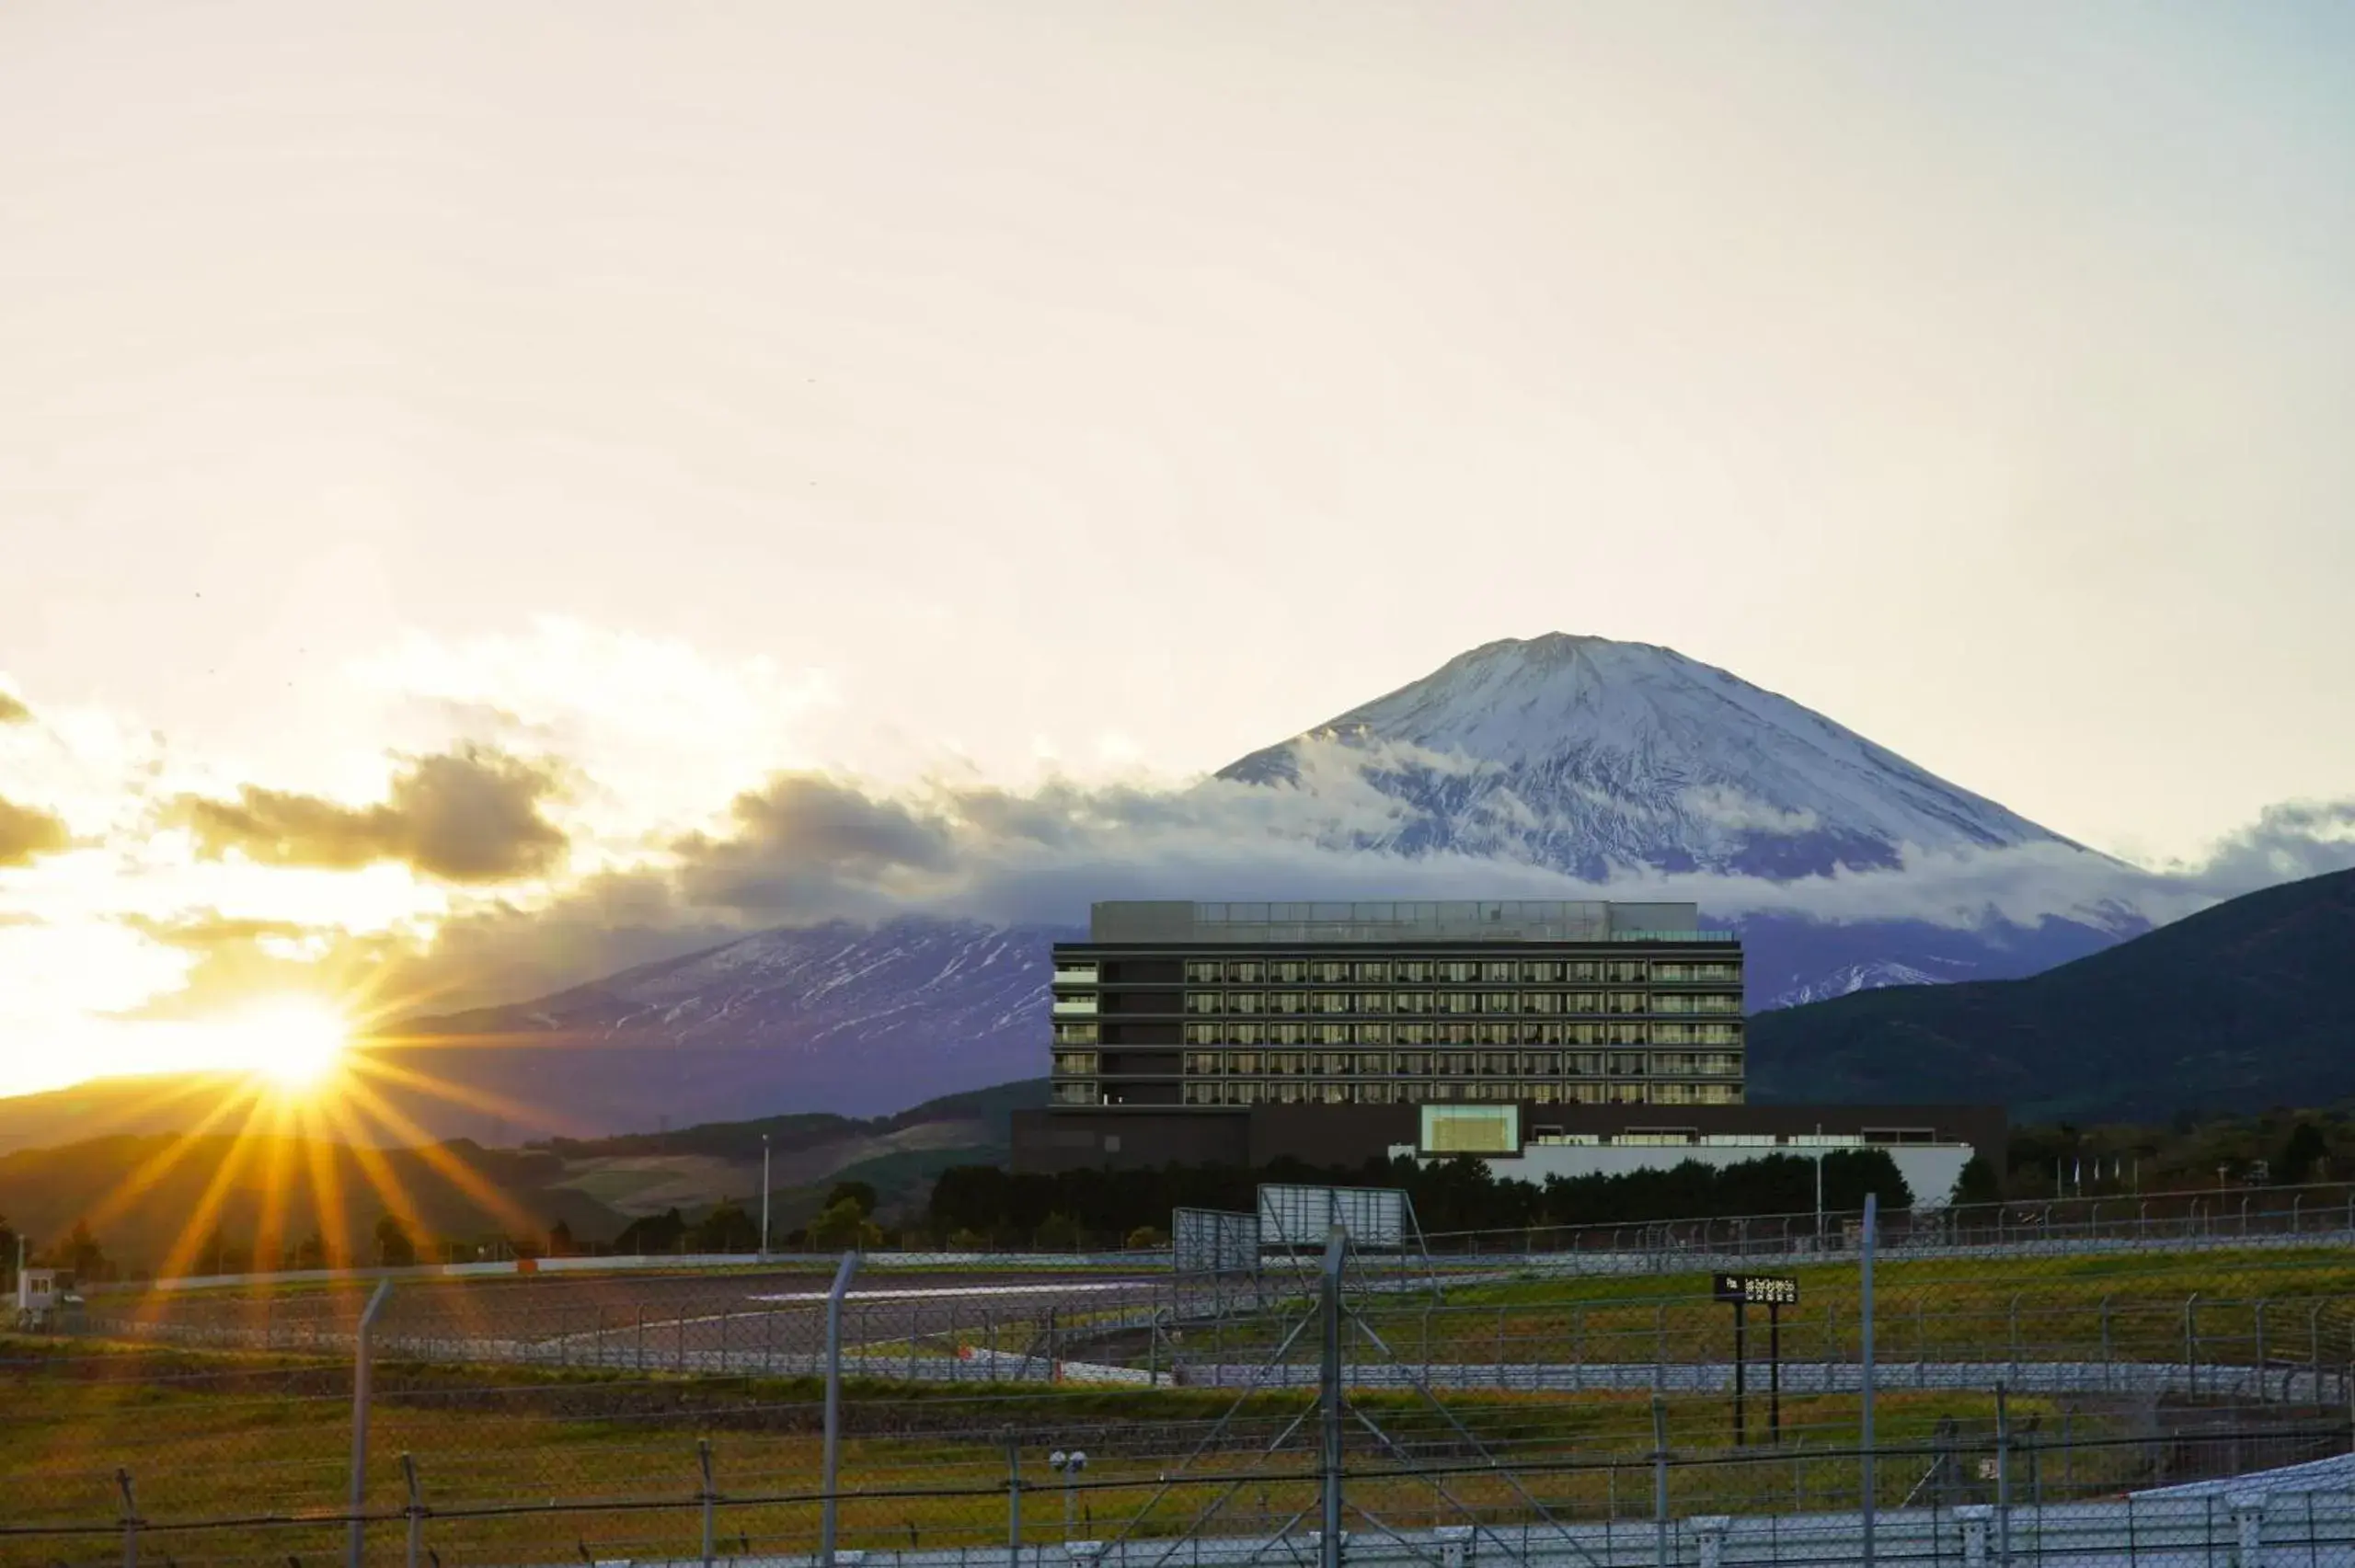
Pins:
x: 1596, y: 758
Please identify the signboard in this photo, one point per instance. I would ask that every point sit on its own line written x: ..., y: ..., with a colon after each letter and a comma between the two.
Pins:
x: 1757, y: 1289
x: 1210, y: 1241
x: 1299, y: 1217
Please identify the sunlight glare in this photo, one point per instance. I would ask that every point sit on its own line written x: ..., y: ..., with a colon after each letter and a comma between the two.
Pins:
x: 294, y: 1042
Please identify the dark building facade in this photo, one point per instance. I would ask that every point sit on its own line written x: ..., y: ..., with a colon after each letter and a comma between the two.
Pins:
x: 1237, y: 1034
x: 1212, y: 1007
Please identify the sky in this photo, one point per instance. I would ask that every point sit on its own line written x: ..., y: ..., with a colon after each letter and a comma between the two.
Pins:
x: 457, y: 457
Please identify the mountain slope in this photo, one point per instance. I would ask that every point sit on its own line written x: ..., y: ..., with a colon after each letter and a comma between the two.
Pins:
x: 1591, y: 756
x: 2248, y: 1005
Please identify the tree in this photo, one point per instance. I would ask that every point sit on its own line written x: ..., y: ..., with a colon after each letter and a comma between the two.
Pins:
x: 1145, y: 1237
x: 726, y: 1228
x: 1976, y: 1183
x: 394, y: 1249
x: 79, y: 1254
x: 845, y: 1224
x: 861, y: 1194
x: 1057, y: 1232
x: 2302, y: 1156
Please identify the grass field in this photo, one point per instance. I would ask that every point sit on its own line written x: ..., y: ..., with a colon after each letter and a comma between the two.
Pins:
x: 231, y: 1436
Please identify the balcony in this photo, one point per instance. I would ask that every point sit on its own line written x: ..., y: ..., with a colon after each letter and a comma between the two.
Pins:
x: 1084, y: 975
x: 1074, y: 1007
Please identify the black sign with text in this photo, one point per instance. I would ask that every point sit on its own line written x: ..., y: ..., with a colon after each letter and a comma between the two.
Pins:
x: 1758, y: 1289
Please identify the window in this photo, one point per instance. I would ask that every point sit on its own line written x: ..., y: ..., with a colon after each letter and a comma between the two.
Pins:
x: 1541, y: 1001
x: 1374, y: 1001
x: 1330, y: 1064
x: 1330, y: 1001
x: 1201, y: 1061
x: 1373, y: 1064
x: 1673, y: 1095
x: 1247, y: 1034
x: 1671, y: 1034
x: 1667, y: 971
x: 1583, y: 972
x: 1284, y: 1093
x: 1626, y: 1034
x: 1329, y: 971
x: 1710, y: 1004
x: 1412, y: 1064
x: 1492, y: 1034
x: 1469, y: 1131
x: 1202, y: 1035
x: 1246, y: 1093
x: 1583, y: 1064
x: 1452, y: 1033
x: 1542, y: 1064
x: 1288, y: 1062
x: 1374, y: 1093
x: 1540, y: 971
x: 1718, y: 1034
x: 1370, y: 971
x: 1497, y: 969
x: 1673, y: 1064
x: 1627, y: 1064
x: 1412, y: 971
x: 1457, y: 971
x: 1081, y: 1062
x: 1287, y: 1002
x: 1075, y: 1094
x: 1288, y: 971
x: 1245, y: 1001
x: 1245, y: 971
x: 1243, y: 1061
x: 1204, y: 971
x: 1202, y: 1093
x: 1287, y: 1034
x: 1414, y: 1093
x: 1717, y: 1064
x: 1496, y: 1063
x: 1076, y: 1033
x: 1412, y: 1000
x: 1582, y: 1002
x: 1627, y: 1002
x: 1456, y: 1064
x: 1458, y: 1001
x: 1620, y: 971
x: 1372, y: 1035
x: 1583, y: 1034
x: 1205, y: 1001
x: 1414, y: 1034
x: 1498, y: 1001
x: 1720, y: 1095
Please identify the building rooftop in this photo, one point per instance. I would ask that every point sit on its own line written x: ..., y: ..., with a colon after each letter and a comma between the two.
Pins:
x: 1402, y: 920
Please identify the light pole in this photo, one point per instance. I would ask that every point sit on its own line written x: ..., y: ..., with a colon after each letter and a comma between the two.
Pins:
x: 1068, y: 1466
x: 765, y: 1197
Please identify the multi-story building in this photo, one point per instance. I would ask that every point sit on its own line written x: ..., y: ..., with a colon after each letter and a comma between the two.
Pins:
x: 1571, y: 1033
x: 1542, y: 1001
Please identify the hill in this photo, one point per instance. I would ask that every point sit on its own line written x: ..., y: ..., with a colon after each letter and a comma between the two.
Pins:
x: 2246, y: 1005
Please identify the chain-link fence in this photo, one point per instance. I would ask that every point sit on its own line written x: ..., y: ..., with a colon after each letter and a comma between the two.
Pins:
x: 1691, y: 1397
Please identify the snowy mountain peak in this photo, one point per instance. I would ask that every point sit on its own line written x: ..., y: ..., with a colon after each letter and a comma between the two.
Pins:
x: 1594, y: 756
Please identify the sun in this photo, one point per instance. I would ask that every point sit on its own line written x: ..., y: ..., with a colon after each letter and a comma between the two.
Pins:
x: 295, y: 1043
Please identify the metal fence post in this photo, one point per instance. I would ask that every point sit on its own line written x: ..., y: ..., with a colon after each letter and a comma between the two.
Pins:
x: 2191, y: 1342
x: 1329, y: 1312
x: 130, y: 1520
x: 709, y: 1497
x: 1659, y: 1481
x: 2003, y: 1477
x: 416, y: 1510
x: 833, y: 1439
x: 1869, y: 1472
x: 363, y: 1356
x: 1013, y: 1500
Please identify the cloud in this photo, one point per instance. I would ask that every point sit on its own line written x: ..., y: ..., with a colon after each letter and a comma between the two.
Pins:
x: 27, y: 831
x: 2287, y: 843
x: 13, y: 710
x: 470, y: 816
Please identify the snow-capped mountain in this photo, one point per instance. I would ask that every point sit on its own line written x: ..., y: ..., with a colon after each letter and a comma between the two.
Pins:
x: 1590, y: 757
x: 1593, y: 757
